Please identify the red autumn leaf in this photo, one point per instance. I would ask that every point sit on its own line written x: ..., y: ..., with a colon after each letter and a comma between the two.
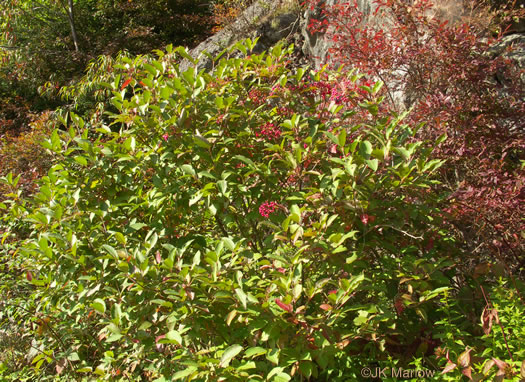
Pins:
x: 283, y: 306
x: 467, y: 372
x: 312, y: 346
x: 142, y: 83
x: 325, y: 307
x: 29, y: 276
x: 430, y: 244
x: 60, y: 366
x: 500, y: 364
x: 486, y: 319
x: 158, y: 346
x: 126, y: 83
x: 325, y: 335
x: 450, y: 366
x: 464, y: 358
x: 400, y: 307
x: 481, y: 269
x: 344, y: 343
x: 189, y: 293
x: 333, y: 291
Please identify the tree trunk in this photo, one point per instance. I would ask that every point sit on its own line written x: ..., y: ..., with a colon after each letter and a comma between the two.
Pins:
x: 71, y: 17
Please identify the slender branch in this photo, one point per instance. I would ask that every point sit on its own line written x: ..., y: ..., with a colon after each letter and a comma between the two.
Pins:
x: 221, y: 226
x: 62, y: 344
x: 254, y: 227
x: 399, y: 230
x: 53, y: 333
x: 69, y: 9
x: 9, y: 47
x: 487, y: 220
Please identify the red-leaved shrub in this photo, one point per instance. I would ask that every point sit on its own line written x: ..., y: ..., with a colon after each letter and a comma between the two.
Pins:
x: 446, y: 74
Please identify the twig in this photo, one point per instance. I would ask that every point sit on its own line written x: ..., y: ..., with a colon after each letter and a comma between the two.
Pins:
x: 9, y: 47
x: 221, y: 226
x: 403, y: 232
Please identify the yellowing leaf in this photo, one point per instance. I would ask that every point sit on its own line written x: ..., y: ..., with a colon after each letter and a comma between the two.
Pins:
x: 174, y: 335
x: 99, y: 305
x: 228, y: 354
x: 230, y: 317
x: 254, y: 352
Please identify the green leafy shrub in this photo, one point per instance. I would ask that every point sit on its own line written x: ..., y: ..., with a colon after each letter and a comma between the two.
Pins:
x: 256, y: 223
x: 484, y: 347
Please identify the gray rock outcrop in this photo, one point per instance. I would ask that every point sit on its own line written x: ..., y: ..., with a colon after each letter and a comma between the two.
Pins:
x: 513, y: 47
x: 269, y: 20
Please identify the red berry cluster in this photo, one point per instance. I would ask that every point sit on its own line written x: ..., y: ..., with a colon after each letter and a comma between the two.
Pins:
x: 257, y: 96
x: 220, y: 118
x: 267, y: 208
x: 269, y: 130
x: 320, y: 88
x: 284, y: 111
x: 338, y: 96
x: 324, y: 89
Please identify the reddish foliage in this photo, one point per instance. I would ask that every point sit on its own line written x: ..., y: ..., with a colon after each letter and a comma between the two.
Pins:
x: 283, y: 306
x: 453, y: 85
x: 22, y: 154
x: 126, y: 83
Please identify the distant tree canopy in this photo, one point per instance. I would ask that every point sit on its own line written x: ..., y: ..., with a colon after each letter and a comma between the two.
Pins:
x: 53, y: 40
x: 98, y: 22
